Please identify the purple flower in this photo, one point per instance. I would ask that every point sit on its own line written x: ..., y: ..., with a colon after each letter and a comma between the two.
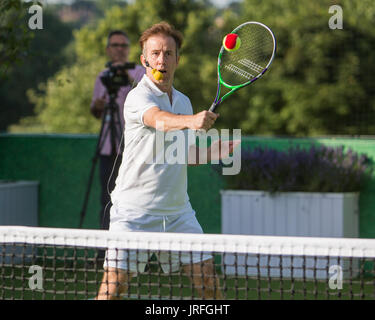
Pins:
x: 317, y: 169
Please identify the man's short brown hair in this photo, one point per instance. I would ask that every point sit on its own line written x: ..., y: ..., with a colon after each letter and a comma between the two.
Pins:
x: 162, y: 28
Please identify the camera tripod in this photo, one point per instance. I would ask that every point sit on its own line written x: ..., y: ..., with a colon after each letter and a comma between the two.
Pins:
x: 114, y: 130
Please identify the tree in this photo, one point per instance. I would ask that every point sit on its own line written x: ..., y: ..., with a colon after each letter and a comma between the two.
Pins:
x: 14, y: 35
x: 46, y: 53
x: 322, y: 80
x: 64, y: 104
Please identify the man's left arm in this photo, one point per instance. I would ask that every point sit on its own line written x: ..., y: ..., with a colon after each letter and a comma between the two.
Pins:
x: 218, y: 150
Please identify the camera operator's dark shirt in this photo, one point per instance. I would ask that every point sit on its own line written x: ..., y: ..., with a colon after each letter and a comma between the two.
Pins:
x: 100, y: 90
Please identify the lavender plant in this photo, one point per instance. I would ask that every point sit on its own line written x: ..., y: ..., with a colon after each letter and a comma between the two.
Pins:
x: 318, y: 169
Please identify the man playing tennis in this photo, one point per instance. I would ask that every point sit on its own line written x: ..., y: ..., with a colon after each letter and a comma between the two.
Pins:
x: 152, y: 197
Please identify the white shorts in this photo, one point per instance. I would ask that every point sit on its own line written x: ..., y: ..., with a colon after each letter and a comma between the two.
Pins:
x: 136, y: 260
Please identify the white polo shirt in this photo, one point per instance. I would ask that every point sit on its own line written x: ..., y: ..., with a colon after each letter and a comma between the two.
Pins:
x: 146, y: 182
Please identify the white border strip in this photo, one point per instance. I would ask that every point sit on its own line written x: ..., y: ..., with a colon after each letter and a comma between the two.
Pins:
x: 221, y: 243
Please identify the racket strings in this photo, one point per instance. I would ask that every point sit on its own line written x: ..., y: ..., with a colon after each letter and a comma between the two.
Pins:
x: 251, y: 59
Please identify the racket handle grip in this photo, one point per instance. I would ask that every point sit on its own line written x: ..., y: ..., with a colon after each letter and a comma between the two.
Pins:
x: 213, y: 107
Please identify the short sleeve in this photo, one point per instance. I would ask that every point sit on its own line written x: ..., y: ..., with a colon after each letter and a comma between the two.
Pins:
x: 136, y: 104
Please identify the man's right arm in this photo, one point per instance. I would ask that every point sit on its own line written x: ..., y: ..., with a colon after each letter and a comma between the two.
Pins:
x: 167, y: 121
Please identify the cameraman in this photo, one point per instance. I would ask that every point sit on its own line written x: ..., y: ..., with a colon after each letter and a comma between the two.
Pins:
x: 118, y: 52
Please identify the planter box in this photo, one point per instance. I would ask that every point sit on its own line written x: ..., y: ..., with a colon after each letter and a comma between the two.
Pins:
x: 288, y: 214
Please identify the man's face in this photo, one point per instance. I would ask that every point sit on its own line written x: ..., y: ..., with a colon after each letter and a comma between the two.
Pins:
x: 118, y: 48
x: 160, y: 53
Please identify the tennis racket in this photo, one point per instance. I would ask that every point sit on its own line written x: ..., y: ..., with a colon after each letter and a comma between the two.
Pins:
x: 237, y: 69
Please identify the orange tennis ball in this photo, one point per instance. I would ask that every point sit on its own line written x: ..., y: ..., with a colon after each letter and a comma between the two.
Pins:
x: 157, y: 74
x: 231, y: 42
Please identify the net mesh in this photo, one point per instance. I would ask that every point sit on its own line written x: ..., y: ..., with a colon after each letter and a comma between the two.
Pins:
x: 251, y: 58
x: 46, y: 263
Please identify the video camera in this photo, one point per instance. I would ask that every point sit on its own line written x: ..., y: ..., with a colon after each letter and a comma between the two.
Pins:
x: 116, y: 76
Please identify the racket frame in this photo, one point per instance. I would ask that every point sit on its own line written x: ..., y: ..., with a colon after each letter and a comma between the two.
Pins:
x: 220, y: 81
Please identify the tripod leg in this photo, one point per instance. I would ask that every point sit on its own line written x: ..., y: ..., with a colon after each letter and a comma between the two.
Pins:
x: 85, y: 202
x: 110, y: 165
x: 101, y: 140
x: 115, y: 134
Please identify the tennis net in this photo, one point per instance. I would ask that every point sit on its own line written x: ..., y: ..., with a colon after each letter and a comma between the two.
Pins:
x: 49, y: 263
